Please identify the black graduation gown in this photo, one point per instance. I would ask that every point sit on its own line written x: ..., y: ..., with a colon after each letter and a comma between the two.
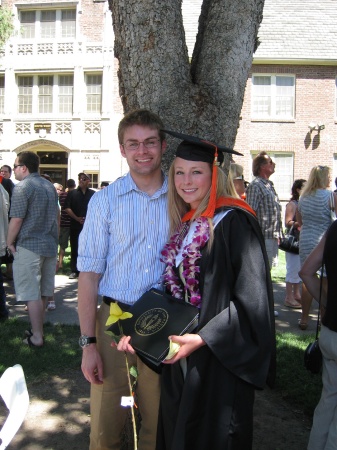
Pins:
x: 213, y: 407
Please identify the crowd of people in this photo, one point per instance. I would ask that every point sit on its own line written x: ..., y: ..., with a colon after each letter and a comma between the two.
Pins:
x: 206, y: 239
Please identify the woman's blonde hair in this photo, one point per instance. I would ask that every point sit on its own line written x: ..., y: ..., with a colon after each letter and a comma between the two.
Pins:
x: 177, y: 207
x: 318, y: 179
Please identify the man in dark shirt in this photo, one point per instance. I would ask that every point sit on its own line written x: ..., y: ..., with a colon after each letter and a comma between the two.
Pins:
x: 76, y: 205
x: 65, y: 222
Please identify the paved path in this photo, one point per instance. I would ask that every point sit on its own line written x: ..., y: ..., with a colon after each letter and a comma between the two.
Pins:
x: 66, y: 306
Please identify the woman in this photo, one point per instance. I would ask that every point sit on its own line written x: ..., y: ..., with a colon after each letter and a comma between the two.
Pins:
x: 293, y: 265
x: 314, y: 218
x: 215, y: 260
x: 324, y: 429
x: 236, y: 172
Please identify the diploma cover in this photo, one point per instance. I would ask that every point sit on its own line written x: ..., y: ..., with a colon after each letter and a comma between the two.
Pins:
x: 155, y: 317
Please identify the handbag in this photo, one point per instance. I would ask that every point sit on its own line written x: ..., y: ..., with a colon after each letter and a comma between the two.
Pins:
x: 313, y: 354
x: 289, y: 243
x: 332, y: 207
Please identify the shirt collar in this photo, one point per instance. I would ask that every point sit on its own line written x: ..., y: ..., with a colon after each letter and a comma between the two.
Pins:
x: 129, y: 185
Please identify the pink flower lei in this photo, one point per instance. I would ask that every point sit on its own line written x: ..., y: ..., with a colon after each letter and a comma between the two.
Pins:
x: 191, y: 255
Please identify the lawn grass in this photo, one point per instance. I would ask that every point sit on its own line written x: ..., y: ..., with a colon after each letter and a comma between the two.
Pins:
x: 61, y: 350
x: 298, y: 386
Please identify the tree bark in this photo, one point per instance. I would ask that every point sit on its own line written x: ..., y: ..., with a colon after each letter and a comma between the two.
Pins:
x: 202, y: 97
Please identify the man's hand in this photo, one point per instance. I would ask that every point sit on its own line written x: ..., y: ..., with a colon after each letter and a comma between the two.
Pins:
x: 188, y: 344
x: 92, y: 366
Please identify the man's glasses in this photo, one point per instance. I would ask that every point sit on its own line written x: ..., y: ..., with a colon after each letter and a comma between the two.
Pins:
x: 17, y: 165
x: 84, y: 179
x: 148, y: 143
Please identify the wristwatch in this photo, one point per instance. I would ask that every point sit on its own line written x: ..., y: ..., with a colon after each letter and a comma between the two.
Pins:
x: 85, y: 341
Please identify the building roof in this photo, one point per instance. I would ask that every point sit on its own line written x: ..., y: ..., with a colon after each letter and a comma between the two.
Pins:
x: 292, y: 31
x: 298, y: 30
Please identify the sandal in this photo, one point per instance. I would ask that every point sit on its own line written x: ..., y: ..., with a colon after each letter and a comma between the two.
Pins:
x: 302, y: 325
x: 294, y: 305
x: 29, y: 342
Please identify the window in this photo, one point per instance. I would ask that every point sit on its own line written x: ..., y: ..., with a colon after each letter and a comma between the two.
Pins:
x: 65, y: 98
x: 25, y: 98
x: 27, y: 22
x: 48, y: 23
x: 94, y: 179
x: 68, y: 23
x: 273, y: 97
x: 94, y: 93
x: 45, y: 94
x: 2, y: 94
x: 283, y: 175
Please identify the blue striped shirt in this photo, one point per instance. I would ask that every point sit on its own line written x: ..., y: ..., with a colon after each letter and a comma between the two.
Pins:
x: 124, y: 231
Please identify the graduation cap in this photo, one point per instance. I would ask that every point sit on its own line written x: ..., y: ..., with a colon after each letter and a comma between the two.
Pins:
x: 193, y: 148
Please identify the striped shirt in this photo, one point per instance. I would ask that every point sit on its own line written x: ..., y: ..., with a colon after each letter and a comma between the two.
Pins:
x: 124, y: 232
x: 35, y: 201
x: 262, y: 197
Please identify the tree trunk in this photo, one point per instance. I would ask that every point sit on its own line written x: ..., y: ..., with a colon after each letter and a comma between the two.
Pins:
x: 202, y: 97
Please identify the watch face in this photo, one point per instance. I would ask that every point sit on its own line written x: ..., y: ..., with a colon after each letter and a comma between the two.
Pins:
x: 83, y: 341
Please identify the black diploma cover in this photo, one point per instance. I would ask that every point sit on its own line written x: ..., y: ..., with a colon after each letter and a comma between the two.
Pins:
x: 155, y: 317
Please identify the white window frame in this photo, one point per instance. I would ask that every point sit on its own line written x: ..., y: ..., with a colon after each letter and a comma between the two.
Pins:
x: 273, y: 95
x: 93, y: 93
x: 64, y: 25
x: 2, y: 94
x: 94, y: 175
x: 45, y: 101
x: 283, y: 177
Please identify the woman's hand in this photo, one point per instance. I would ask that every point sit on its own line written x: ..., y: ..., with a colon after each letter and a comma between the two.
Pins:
x: 124, y: 345
x: 188, y: 344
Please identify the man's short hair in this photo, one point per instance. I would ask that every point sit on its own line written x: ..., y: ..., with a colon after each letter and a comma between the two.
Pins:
x: 8, y: 168
x: 104, y: 183
x: 142, y: 117
x: 71, y: 183
x: 259, y: 161
x: 30, y: 160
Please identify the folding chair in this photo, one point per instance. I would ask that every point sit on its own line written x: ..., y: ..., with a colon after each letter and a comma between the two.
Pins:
x: 14, y: 392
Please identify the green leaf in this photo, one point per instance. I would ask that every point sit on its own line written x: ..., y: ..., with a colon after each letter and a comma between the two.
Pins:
x: 134, y: 372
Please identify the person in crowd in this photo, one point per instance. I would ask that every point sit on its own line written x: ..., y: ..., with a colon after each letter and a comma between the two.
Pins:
x: 262, y: 197
x: 314, y: 218
x: 104, y: 184
x: 335, y: 184
x: 236, y: 172
x: 215, y: 260
x: 4, y: 209
x: 323, y: 435
x: 119, y: 258
x: 7, y: 183
x: 64, y: 222
x: 293, y: 264
x: 76, y: 206
x: 32, y: 238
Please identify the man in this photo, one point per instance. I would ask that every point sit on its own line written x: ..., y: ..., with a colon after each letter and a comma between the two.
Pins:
x: 65, y: 222
x: 76, y: 205
x: 32, y: 238
x: 262, y: 197
x: 125, y: 230
x: 4, y: 208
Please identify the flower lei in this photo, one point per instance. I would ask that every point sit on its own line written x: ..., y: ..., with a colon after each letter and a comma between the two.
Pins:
x: 191, y: 255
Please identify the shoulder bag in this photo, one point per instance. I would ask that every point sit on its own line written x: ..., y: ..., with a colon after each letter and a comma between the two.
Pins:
x: 289, y: 242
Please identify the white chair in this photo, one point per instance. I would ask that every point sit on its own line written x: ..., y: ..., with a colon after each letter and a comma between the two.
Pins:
x: 14, y: 392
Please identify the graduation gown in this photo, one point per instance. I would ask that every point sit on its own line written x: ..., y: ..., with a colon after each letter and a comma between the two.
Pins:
x: 212, y: 408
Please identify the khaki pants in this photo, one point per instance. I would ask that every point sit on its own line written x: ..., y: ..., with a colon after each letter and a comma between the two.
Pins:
x: 107, y: 414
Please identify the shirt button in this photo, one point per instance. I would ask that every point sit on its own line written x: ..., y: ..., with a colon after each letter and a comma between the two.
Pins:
x: 149, y: 246
x: 146, y: 270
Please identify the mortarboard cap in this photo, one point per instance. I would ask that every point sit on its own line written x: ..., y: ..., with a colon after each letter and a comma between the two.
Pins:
x: 193, y: 148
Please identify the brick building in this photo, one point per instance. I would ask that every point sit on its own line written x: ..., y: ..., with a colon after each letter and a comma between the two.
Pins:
x: 289, y: 107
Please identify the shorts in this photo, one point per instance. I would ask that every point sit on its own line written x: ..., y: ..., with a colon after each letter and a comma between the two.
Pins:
x: 34, y: 275
x: 64, y: 237
x: 272, y: 251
